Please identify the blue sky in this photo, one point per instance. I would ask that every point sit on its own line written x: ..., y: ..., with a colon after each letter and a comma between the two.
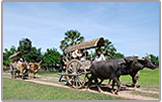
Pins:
x: 133, y: 27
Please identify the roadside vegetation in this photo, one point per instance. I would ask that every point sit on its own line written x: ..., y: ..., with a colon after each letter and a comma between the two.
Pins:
x: 22, y: 90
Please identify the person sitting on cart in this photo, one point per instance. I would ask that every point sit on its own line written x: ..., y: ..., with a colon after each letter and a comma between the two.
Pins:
x: 77, y: 54
x: 99, y: 56
x: 84, y: 56
x: 20, y: 61
x: 63, y: 65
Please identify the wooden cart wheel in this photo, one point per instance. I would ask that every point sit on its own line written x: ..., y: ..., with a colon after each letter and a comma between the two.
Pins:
x: 76, y: 68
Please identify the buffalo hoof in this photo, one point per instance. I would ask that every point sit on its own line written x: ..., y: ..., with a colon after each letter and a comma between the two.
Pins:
x: 132, y: 85
x: 101, y: 91
x: 138, y: 86
x: 87, y: 89
x: 116, y: 92
x: 112, y: 91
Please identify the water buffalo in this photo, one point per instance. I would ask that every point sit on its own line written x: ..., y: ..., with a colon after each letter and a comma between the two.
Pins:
x: 112, y: 69
x: 134, y: 72
x: 146, y: 62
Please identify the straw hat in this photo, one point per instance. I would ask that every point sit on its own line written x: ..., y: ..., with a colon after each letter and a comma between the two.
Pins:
x: 135, y: 56
x: 76, y: 53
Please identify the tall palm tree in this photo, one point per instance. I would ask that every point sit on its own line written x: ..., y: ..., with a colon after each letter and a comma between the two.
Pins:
x: 72, y: 37
x: 108, y: 50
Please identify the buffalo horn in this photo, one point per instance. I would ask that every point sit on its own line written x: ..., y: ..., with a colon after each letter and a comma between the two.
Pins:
x: 148, y: 56
x: 41, y: 61
x: 141, y: 59
x: 121, y: 62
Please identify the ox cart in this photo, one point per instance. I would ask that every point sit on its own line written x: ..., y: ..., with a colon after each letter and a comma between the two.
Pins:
x: 77, y: 69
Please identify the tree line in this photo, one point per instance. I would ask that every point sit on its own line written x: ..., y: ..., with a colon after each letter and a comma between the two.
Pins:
x: 52, y: 57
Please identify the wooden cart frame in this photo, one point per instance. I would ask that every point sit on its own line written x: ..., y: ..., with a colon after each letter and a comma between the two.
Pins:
x: 76, y: 70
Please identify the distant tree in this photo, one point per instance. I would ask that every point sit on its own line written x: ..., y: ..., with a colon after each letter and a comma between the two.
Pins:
x: 7, y: 54
x: 118, y: 56
x: 13, y: 49
x: 51, y: 56
x: 71, y: 38
x: 89, y: 56
x: 155, y: 60
x: 34, y: 55
x: 108, y: 49
x: 31, y: 54
x: 25, y: 45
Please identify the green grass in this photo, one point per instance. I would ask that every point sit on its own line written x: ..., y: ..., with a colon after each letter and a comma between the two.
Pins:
x: 22, y: 90
x: 48, y: 74
x: 147, y: 77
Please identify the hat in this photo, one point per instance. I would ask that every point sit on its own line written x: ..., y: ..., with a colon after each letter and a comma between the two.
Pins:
x: 76, y: 53
x: 135, y: 56
x: 21, y: 59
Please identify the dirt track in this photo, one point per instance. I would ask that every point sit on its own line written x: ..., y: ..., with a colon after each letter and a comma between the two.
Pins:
x: 125, y: 93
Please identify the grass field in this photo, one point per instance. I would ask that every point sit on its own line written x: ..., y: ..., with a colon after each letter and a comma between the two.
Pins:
x: 23, y: 90
x: 147, y: 77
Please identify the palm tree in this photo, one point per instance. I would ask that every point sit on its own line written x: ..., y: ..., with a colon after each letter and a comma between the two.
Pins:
x: 72, y: 37
x: 108, y: 50
x: 118, y: 56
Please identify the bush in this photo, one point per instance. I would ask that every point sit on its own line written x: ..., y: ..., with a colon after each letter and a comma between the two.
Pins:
x: 51, y: 57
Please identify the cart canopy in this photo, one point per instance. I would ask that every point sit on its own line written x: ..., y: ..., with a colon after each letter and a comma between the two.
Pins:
x: 86, y: 45
x: 16, y: 55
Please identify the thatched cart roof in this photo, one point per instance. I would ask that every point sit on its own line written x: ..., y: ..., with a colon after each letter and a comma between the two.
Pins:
x: 16, y: 55
x: 86, y: 45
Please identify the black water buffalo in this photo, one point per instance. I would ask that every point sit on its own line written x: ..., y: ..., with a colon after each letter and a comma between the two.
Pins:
x: 146, y: 62
x: 112, y: 69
